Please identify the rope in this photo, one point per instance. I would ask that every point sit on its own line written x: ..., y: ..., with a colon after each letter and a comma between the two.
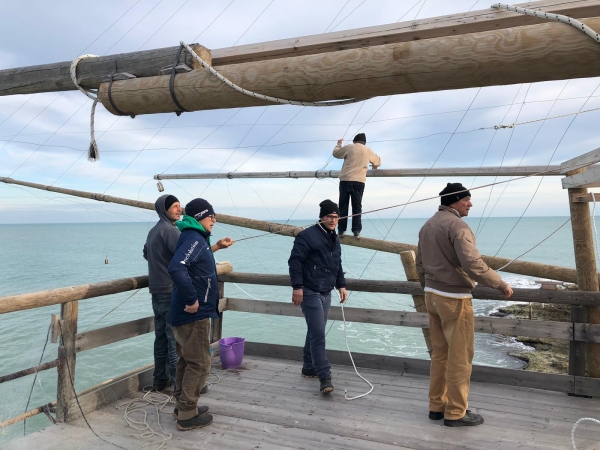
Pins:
x: 594, y: 224
x: 583, y: 419
x: 267, y: 98
x: 93, y: 154
x: 351, y: 358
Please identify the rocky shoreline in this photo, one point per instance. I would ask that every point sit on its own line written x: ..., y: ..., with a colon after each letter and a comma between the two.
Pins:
x: 546, y: 355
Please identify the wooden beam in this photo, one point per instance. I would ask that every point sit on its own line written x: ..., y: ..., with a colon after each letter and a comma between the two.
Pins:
x: 588, y: 179
x: 93, y: 71
x: 30, y: 371
x: 532, y: 269
x: 581, y: 161
x: 65, y: 387
x: 563, y: 297
x: 505, y: 171
x: 489, y: 58
x: 114, y: 333
x: 488, y: 325
x: 485, y: 374
x: 63, y: 295
x: 589, y: 197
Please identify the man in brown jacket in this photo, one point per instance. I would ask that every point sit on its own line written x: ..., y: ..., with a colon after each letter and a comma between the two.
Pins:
x: 357, y: 157
x: 449, y: 264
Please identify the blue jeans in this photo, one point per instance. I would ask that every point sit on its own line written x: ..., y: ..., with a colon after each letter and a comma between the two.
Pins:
x: 315, y: 307
x: 164, y: 340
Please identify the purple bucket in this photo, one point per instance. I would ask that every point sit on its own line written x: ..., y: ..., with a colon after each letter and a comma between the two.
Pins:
x: 231, y: 352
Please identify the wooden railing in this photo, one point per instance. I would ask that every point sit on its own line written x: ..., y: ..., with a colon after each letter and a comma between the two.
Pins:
x: 73, y: 342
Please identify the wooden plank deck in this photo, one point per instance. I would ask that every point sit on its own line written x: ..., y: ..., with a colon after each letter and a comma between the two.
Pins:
x: 267, y: 405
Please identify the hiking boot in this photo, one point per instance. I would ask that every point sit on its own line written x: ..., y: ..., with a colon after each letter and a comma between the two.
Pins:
x: 195, y: 422
x: 309, y: 373
x: 356, y: 234
x: 469, y: 420
x: 326, y: 386
x: 436, y: 415
x: 201, y: 411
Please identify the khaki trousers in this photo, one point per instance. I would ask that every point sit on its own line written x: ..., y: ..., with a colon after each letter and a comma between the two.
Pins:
x: 452, y: 326
x: 193, y: 367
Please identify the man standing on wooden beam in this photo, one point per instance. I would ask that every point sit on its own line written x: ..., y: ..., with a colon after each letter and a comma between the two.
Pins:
x: 315, y: 270
x: 357, y: 157
x: 449, y: 264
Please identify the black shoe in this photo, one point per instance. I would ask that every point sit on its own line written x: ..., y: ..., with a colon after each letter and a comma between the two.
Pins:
x: 469, y: 420
x: 201, y: 411
x: 356, y: 234
x: 204, y: 389
x: 195, y: 422
x: 159, y: 386
x: 326, y: 386
x: 309, y: 373
x: 341, y: 233
x: 436, y: 415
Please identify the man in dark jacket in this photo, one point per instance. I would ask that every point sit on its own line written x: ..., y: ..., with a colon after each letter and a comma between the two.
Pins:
x: 315, y: 269
x: 194, y: 301
x: 158, y: 251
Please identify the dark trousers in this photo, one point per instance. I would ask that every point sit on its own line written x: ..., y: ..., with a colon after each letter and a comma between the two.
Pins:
x: 193, y: 367
x: 315, y: 307
x: 164, y: 340
x: 351, y: 190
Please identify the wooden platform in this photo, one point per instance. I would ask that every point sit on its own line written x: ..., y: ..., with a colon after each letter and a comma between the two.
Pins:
x: 267, y: 405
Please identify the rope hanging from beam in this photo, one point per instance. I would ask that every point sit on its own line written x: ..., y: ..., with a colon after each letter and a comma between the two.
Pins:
x: 93, y: 154
x: 267, y: 98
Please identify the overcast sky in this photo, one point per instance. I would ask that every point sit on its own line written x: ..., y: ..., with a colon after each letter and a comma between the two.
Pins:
x: 44, y: 137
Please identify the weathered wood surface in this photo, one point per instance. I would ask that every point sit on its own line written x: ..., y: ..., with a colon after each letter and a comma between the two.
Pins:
x: 588, y: 179
x: 410, y: 269
x: 65, y: 391
x: 565, y: 297
x: 93, y: 71
x: 379, y: 173
x: 488, y: 325
x: 114, y: 333
x: 579, y: 162
x: 489, y: 58
x: 520, y: 267
x: 589, y: 197
x: 67, y: 294
x: 288, y: 412
x: 587, y: 279
x: 30, y: 371
x: 577, y: 348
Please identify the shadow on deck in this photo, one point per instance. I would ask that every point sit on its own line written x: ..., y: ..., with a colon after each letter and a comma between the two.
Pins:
x: 267, y: 405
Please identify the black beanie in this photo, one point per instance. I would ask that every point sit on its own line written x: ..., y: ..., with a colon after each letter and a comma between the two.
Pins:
x: 447, y: 200
x: 328, y: 207
x: 199, y: 209
x: 169, y: 201
x: 360, y: 137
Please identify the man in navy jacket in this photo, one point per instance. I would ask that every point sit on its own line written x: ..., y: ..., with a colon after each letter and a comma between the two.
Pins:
x: 315, y: 269
x: 195, y: 300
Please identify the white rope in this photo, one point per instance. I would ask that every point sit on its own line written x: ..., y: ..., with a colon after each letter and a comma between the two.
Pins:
x: 551, y: 16
x: 583, y: 419
x: 351, y: 358
x: 594, y: 223
x: 267, y: 98
x: 93, y: 154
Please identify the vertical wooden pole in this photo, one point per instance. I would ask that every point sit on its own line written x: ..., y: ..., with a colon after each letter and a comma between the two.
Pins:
x: 587, y: 279
x: 410, y: 268
x: 66, y: 355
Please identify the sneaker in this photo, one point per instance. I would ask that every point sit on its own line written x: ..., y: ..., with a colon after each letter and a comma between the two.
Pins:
x: 309, y: 373
x: 468, y: 420
x: 326, y: 386
x: 356, y: 234
x: 158, y: 387
x: 436, y: 415
x: 195, y: 422
x: 201, y: 411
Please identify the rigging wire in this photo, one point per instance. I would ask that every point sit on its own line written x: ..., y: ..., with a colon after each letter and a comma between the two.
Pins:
x: 252, y: 24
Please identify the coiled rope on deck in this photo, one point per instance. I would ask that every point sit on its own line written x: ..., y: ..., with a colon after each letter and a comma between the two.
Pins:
x: 267, y: 98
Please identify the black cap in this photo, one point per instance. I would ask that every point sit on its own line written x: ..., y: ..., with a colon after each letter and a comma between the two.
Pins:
x: 328, y: 207
x: 450, y: 188
x: 199, y: 209
x: 169, y: 201
x: 360, y: 137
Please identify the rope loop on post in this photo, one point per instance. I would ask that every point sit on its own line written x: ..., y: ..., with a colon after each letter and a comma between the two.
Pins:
x: 267, y: 98
x: 93, y: 154
x: 172, y: 82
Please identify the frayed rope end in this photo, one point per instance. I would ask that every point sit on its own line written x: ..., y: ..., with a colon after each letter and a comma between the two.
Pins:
x: 93, y: 153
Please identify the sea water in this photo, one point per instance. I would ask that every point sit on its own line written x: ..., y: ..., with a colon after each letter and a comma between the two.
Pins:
x: 36, y: 257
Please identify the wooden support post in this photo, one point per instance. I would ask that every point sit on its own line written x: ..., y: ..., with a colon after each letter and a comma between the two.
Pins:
x: 66, y: 355
x: 216, y: 332
x: 587, y: 278
x: 577, y: 348
x: 410, y: 268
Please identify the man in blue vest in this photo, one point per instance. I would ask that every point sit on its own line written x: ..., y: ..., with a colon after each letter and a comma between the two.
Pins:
x: 194, y: 301
x: 315, y: 269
